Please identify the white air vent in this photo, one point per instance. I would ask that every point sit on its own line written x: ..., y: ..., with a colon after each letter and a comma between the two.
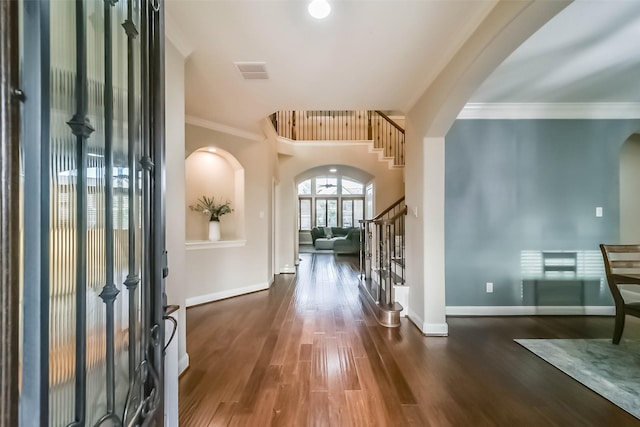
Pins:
x: 252, y: 70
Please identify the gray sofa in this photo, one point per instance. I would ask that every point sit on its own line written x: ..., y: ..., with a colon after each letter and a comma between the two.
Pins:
x: 342, y: 240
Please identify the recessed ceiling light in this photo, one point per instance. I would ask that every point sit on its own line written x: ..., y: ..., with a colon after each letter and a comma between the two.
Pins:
x: 333, y: 170
x: 319, y: 9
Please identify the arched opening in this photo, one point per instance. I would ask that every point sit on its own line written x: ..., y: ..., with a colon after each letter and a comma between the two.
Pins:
x: 330, y: 198
x: 214, y: 172
x: 629, y: 190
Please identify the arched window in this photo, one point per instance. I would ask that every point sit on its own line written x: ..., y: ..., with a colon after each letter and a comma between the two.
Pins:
x: 330, y: 201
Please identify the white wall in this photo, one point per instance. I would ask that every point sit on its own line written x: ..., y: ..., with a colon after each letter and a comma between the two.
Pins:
x: 215, y: 272
x: 175, y: 196
x: 389, y: 185
x: 415, y: 206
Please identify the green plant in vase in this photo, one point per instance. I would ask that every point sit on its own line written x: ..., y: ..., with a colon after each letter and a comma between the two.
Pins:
x: 208, y: 207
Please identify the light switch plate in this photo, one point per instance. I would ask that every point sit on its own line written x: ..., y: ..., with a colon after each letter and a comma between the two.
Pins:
x: 599, y: 211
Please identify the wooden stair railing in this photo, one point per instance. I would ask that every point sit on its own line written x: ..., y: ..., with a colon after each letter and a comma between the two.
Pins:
x: 388, y: 136
x: 343, y: 125
x: 382, y: 260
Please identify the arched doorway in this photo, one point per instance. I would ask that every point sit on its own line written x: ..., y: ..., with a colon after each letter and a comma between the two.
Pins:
x: 329, y: 196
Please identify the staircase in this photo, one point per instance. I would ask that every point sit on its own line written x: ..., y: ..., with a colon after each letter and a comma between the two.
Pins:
x: 382, y: 251
x: 382, y: 262
x: 386, y: 136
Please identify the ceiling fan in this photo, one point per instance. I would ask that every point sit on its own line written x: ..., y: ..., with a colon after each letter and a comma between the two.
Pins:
x: 328, y: 185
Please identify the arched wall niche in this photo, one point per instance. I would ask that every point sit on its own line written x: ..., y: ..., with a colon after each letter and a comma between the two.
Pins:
x: 629, y: 190
x: 212, y: 171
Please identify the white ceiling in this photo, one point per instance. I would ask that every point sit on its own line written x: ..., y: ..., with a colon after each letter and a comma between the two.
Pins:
x: 589, y: 52
x: 383, y: 54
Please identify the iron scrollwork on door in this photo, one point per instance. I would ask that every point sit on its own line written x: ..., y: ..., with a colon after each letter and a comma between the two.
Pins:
x: 99, y: 337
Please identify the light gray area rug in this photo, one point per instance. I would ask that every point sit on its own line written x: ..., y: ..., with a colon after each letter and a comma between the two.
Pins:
x: 613, y: 371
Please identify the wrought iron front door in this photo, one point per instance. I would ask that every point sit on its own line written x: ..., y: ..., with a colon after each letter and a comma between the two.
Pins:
x: 92, y: 229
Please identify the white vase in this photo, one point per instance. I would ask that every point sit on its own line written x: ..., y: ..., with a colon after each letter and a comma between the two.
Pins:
x: 214, y: 231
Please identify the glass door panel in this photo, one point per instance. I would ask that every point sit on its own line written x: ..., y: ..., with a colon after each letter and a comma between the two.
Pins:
x: 96, y: 369
x: 304, y: 219
x: 347, y: 213
x: 321, y: 213
x: 358, y: 211
x: 332, y: 212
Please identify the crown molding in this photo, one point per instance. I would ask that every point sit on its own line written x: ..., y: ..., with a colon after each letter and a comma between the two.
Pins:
x: 566, y: 110
x: 203, y: 123
x: 177, y: 37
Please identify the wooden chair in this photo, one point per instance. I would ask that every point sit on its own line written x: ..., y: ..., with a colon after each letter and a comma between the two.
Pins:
x: 622, y: 265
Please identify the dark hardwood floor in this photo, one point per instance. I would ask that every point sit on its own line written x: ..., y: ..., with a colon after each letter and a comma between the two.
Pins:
x: 308, y: 353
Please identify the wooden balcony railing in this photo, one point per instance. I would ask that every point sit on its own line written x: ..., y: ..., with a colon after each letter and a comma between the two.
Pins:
x: 343, y: 125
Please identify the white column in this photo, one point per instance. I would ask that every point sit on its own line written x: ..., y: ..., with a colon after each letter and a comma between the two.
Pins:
x: 175, y: 191
x: 433, y: 217
x: 171, y: 375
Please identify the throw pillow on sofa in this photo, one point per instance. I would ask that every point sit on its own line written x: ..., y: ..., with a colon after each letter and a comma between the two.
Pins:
x: 328, y: 233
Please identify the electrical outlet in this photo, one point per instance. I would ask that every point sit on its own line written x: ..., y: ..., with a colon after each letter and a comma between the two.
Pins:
x: 489, y: 287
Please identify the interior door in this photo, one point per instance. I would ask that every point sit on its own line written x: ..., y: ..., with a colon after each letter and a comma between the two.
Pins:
x: 92, y: 220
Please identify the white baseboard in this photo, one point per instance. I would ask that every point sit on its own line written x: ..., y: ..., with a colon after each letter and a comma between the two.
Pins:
x: 414, y: 318
x: 595, y: 310
x: 183, y: 364
x: 288, y: 270
x: 216, y: 296
x: 428, y: 329
x: 435, y: 329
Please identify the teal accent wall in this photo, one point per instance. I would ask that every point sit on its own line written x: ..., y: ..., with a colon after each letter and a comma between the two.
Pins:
x: 515, y: 188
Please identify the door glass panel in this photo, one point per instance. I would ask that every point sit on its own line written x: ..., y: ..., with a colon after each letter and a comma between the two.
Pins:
x: 358, y: 211
x: 96, y: 254
x: 369, y: 201
x: 107, y: 223
x: 89, y: 250
x: 63, y: 172
x: 332, y: 212
x: 304, y: 219
x: 321, y: 213
x: 347, y: 213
